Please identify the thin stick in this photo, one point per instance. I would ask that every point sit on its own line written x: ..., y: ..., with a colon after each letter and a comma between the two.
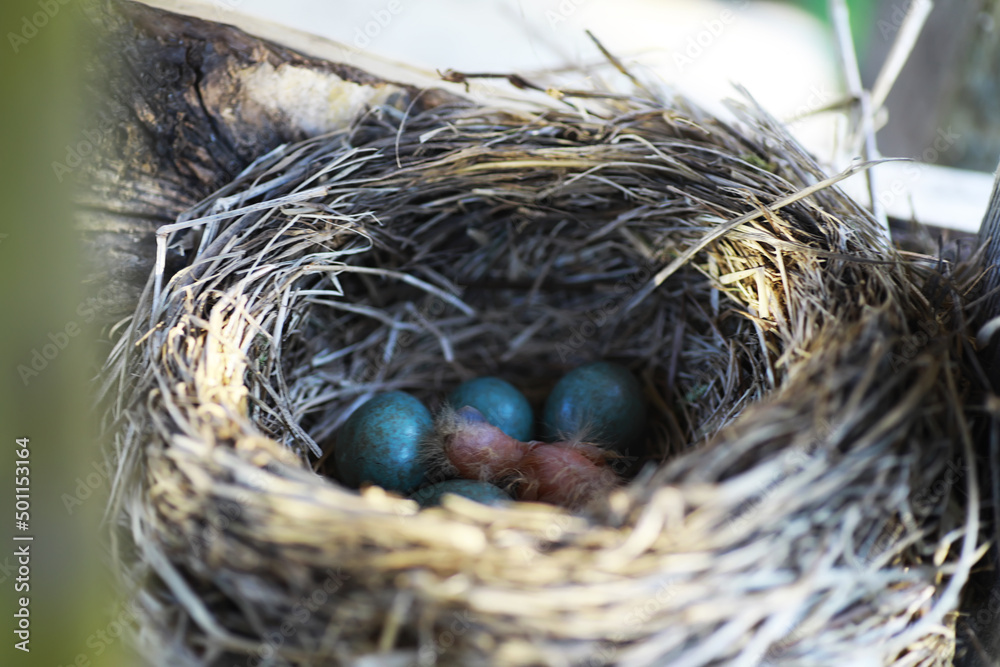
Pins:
x: 852, y: 74
x: 410, y: 280
x: 724, y: 229
x: 899, y: 53
x: 620, y: 66
x: 164, y: 232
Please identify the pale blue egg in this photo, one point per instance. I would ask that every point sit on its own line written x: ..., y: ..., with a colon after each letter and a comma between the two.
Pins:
x: 500, y: 402
x: 380, y: 443
x: 601, y: 401
x: 481, y: 492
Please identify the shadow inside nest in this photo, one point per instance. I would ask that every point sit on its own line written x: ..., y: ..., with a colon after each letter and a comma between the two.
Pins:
x: 766, y: 316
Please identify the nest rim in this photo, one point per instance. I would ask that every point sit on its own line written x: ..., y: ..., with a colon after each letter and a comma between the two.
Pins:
x: 624, y: 540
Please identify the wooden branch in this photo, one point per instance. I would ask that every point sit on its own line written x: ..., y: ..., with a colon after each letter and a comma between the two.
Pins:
x: 176, y: 107
x: 979, y: 642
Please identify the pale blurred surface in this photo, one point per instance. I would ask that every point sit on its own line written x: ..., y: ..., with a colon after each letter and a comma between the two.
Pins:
x: 782, y: 55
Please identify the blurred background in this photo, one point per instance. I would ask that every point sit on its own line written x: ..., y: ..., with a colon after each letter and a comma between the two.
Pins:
x: 44, y: 371
x: 944, y: 111
x: 784, y: 53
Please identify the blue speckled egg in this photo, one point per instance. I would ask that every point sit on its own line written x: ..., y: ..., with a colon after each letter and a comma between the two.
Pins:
x: 481, y: 492
x: 380, y: 443
x: 602, y: 401
x: 500, y: 402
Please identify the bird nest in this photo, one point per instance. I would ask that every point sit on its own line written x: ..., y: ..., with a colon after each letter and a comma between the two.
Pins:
x: 806, y: 493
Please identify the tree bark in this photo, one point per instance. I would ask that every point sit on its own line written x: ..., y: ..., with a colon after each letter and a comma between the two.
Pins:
x: 174, y: 108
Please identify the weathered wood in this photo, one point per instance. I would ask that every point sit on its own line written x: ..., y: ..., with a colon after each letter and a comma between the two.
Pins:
x: 178, y: 106
x: 978, y: 630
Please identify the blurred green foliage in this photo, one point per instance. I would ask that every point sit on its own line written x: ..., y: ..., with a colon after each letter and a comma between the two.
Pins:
x: 862, y: 16
x: 40, y: 291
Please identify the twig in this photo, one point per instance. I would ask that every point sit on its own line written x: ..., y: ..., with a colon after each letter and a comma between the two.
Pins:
x: 909, y: 31
x: 845, y: 44
x: 613, y: 59
x: 725, y: 228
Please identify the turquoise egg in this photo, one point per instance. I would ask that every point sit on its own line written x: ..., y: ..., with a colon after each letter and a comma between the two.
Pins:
x: 380, y: 443
x: 601, y: 401
x: 481, y: 492
x: 500, y: 402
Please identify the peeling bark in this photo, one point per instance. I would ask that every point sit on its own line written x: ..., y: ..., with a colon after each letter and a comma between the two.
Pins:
x: 176, y: 107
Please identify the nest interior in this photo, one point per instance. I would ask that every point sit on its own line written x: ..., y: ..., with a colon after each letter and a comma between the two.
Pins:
x: 796, y: 499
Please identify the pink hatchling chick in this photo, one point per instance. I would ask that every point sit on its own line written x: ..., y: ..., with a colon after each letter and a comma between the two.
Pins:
x: 565, y: 473
x: 568, y: 473
x: 477, y: 449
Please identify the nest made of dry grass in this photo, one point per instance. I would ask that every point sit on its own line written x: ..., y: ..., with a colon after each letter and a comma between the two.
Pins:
x: 806, y: 384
